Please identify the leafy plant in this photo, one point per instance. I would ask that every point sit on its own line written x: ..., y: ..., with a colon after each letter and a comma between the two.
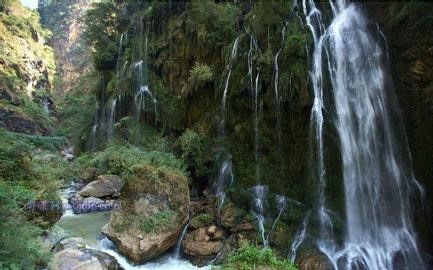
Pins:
x: 20, y: 247
x: 157, y: 221
x: 199, y: 75
x: 250, y: 257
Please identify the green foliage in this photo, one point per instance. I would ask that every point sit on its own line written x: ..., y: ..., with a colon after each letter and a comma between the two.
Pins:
x: 212, y: 23
x: 101, y: 33
x: 202, y: 220
x: 199, y: 75
x: 15, y: 154
x: 157, y: 221
x: 119, y: 160
x: 20, y: 247
x: 251, y: 257
x: 77, y: 111
x: 193, y: 152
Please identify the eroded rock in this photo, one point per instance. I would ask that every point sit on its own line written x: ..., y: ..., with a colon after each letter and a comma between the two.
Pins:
x: 203, y: 244
x: 103, y: 186
x: 73, y: 254
x: 154, y: 210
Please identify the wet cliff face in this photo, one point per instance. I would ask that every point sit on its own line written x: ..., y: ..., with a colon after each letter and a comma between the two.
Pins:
x: 26, y: 71
x: 408, y: 28
x: 72, y: 57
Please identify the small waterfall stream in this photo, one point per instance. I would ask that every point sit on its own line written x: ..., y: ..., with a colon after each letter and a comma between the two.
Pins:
x: 225, y: 170
x: 260, y: 193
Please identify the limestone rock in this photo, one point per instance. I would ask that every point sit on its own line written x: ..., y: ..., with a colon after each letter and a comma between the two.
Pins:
x: 230, y: 215
x: 154, y: 210
x: 203, y: 244
x: 103, y: 186
x: 72, y: 254
x: 314, y: 261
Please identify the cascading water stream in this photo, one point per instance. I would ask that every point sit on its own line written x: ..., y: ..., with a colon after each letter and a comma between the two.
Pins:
x: 225, y: 171
x: 281, y: 205
x: 112, y: 118
x: 46, y: 106
x: 123, y: 40
x: 277, y: 94
x: 93, y: 137
x: 178, y: 247
x: 260, y: 193
x: 299, y: 238
x: 314, y: 22
x: 377, y: 173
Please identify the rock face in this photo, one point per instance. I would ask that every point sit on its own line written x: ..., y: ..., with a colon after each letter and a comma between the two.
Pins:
x: 230, y: 215
x: 104, y: 186
x: 73, y: 254
x: 15, y: 121
x: 202, y: 245
x: 314, y: 261
x: 26, y: 65
x: 153, y: 212
x: 64, y: 19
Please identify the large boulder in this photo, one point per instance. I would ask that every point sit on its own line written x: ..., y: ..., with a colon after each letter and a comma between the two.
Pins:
x: 73, y: 254
x: 203, y: 244
x: 154, y: 210
x: 103, y: 186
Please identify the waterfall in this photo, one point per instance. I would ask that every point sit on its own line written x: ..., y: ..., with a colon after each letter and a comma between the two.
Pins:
x: 299, y: 238
x: 281, y: 205
x: 260, y: 192
x: 314, y: 22
x: 377, y: 174
x: 123, y: 40
x: 46, y: 106
x: 144, y: 100
x: 225, y: 172
x: 226, y: 85
x: 278, y: 97
x: 93, y: 137
x: 111, y: 119
x: 177, y: 249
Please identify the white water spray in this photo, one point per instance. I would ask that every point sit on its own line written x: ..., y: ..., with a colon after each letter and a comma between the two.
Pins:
x: 225, y: 170
x: 376, y: 164
x: 260, y: 193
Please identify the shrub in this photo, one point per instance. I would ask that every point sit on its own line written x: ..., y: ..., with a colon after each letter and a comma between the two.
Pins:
x: 251, y: 257
x: 157, y: 221
x: 193, y: 152
x: 19, y: 240
x: 119, y: 159
x: 199, y: 75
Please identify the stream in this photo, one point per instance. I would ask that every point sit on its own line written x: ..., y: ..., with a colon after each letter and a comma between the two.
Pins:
x: 88, y: 226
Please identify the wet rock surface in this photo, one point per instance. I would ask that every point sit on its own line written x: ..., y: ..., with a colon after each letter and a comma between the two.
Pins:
x: 152, y: 215
x: 72, y: 253
x: 103, y: 186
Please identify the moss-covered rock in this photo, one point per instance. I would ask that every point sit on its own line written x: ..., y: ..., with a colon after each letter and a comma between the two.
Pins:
x: 26, y: 67
x: 154, y: 210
